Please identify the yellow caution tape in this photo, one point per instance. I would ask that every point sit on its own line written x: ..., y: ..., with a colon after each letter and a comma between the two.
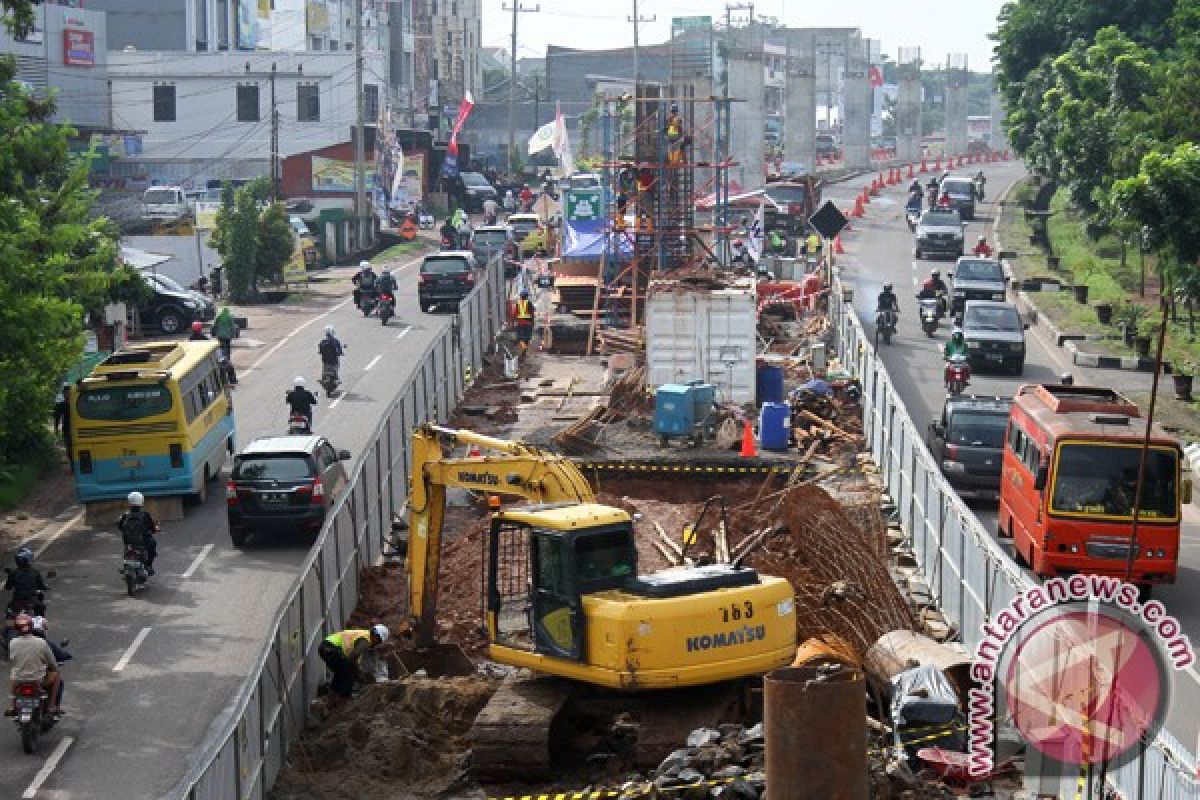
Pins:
x: 1081, y: 784
x: 942, y: 732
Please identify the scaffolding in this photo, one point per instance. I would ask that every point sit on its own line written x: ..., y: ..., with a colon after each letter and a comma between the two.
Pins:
x: 650, y: 194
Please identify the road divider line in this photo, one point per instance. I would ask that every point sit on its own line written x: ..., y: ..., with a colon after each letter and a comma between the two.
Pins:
x: 128, y: 654
x: 66, y: 526
x: 288, y: 337
x: 404, y: 332
x: 48, y: 767
x: 372, y: 362
x: 196, y: 564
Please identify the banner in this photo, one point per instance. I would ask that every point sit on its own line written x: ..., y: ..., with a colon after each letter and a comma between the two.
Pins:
x: 562, y: 145
x: 450, y: 163
x: 756, y: 235
x: 335, y: 175
x: 79, y: 48
x: 543, y: 137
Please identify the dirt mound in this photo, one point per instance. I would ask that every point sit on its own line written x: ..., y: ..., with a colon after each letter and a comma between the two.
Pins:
x: 412, y: 734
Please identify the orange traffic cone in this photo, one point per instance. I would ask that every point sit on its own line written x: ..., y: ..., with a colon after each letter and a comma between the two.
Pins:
x: 866, y: 196
x: 937, y: 165
x: 883, y: 181
x: 924, y: 167
x: 837, y: 246
x: 911, y: 174
x: 748, y: 447
x: 858, y: 206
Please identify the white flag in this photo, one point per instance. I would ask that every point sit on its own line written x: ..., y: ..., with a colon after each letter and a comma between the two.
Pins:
x: 398, y: 178
x: 562, y: 144
x: 542, y: 138
x: 755, y: 245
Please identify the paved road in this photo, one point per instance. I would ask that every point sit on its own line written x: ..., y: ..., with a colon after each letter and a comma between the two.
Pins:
x: 151, y: 672
x: 879, y: 250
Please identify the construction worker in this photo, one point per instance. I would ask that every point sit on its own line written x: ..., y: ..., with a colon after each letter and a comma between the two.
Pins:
x: 346, y: 654
x: 812, y: 244
x: 524, y: 320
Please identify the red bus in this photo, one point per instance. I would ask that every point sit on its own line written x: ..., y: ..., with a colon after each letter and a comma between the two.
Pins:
x: 1070, y: 470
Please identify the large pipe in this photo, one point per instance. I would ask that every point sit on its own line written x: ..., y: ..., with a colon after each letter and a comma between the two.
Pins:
x: 815, y: 724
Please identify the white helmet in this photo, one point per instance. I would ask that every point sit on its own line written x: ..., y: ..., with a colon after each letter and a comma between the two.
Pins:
x: 364, y: 264
x: 381, y: 631
x: 135, y: 499
x: 329, y: 330
x: 298, y: 380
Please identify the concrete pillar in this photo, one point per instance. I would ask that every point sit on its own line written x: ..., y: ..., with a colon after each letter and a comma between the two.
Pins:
x: 999, y: 142
x: 856, y: 130
x: 747, y: 88
x: 956, y: 104
x: 800, y: 102
x: 908, y: 104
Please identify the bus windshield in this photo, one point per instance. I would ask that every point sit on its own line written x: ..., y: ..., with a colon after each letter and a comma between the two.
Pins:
x: 1100, y: 479
x: 123, y: 403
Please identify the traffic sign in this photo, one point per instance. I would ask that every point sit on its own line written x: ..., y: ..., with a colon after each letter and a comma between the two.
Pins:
x: 828, y: 220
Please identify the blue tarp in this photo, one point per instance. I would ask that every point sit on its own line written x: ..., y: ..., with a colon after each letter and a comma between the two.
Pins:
x: 584, y: 239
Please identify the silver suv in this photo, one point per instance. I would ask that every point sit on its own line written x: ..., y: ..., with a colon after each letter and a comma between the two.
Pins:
x: 995, y: 335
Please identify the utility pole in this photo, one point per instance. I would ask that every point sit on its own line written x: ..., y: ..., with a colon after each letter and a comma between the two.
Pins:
x: 516, y: 8
x: 829, y: 49
x: 360, y: 166
x: 729, y: 9
x: 637, y: 19
x: 537, y: 97
x: 274, y: 140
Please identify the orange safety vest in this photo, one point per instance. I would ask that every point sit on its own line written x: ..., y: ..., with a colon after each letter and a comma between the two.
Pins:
x: 524, y: 310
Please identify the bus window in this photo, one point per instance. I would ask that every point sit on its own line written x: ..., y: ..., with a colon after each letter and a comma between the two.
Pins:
x: 1100, y: 479
x: 123, y: 403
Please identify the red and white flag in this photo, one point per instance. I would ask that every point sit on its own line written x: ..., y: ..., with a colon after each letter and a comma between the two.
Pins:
x: 464, y: 111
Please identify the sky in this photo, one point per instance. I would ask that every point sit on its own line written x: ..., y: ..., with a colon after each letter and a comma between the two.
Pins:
x: 938, y: 27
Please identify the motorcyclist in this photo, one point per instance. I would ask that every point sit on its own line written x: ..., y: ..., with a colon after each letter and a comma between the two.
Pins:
x: 364, y: 282
x: 957, y: 346
x: 510, y: 202
x: 198, y: 332
x: 137, y: 529
x: 449, y: 234
x: 935, y: 282
x: 31, y: 659
x: 300, y: 400
x: 331, y: 351
x: 490, y: 211
x: 914, y: 199
x: 980, y: 183
x: 982, y: 248
x: 915, y: 188
x: 25, y: 582
x: 386, y: 283
x: 887, y: 300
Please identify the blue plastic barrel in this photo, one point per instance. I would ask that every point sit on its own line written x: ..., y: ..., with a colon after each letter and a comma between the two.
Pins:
x: 773, y: 423
x: 769, y: 381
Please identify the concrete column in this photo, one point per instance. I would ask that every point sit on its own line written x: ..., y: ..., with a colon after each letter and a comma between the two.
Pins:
x: 908, y: 104
x: 800, y: 102
x: 746, y: 88
x: 999, y: 141
x: 956, y: 104
x: 856, y: 130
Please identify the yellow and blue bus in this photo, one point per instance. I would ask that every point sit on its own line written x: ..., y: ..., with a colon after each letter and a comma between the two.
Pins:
x: 156, y: 418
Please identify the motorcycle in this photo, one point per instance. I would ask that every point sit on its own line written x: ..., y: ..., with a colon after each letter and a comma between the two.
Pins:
x: 424, y: 220
x: 367, y: 301
x: 929, y: 315
x: 133, y: 569
x: 957, y: 375
x: 912, y: 216
x: 31, y: 713
x: 298, y: 424
x: 329, y: 379
x: 489, y: 219
x: 885, y: 324
x: 386, y: 305
x: 979, y: 189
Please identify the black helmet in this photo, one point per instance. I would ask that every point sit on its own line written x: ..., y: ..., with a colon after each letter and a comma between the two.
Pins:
x: 937, y: 273
x: 1067, y: 379
x: 23, y: 557
x: 887, y: 287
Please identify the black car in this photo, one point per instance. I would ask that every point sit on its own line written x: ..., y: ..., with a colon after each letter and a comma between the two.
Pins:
x: 977, y: 278
x: 472, y: 189
x: 968, y: 442
x: 171, y: 306
x: 940, y: 232
x: 445, y: 278
x: 995, y: 335
x: 961, y: 192
x: 496, y: 240
x: 284, y: 484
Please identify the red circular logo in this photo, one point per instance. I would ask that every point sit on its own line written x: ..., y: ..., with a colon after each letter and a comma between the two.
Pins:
x: 1086, y: 684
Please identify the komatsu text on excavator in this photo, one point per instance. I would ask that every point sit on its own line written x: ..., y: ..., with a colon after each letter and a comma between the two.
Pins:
x: 563, y: 594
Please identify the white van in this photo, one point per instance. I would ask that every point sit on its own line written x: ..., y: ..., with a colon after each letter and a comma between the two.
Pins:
x: 165, y: 204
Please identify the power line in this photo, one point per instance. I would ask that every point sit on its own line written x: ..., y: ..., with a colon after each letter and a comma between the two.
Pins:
x: 516, y: 8
x: 637, y: 19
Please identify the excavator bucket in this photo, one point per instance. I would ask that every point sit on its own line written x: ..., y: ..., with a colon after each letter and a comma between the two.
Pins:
x: 438, y: 661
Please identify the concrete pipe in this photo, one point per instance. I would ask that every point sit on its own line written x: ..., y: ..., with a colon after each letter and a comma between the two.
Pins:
x: 815, y: 725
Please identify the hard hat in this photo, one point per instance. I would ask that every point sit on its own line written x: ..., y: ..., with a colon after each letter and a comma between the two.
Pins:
x: 957, y: 331
x: 524, y: 293
x: 23, y: 556
x: 364, y: 264
x: 198, y: 326
x: 381, y: 631
x: 23, y: 623
x: 135, y: 499
x: 887, y: 287
x: 674, y: 106
x: 937, y: 273
x: 982, y: 239
x: 298, y: 380
x: 329, y: 330
x: 387, y: 272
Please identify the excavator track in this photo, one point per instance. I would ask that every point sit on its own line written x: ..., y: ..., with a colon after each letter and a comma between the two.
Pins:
x: 513, y: 736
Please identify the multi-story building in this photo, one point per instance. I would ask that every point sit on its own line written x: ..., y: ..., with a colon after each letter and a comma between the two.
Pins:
x: 447, y: 59
x: 66, y: 55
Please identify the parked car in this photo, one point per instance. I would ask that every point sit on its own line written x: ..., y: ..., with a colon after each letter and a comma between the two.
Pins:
x: 165, y: 204
x: 940, y: 232
x: 445, y: 278
x: 173, y: 307
x: 283, y: 483
x: 968, y: 442
x: 496, y: 239
x: 472, y: 189
x: 977, y: 278
x: 826, y: 145
x: 529, y: 232
x: 961, y: 192
x: 995, y: 335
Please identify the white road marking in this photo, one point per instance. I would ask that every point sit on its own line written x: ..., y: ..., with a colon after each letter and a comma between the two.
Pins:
x: 137, y: 642
x: 196, y: 564
x: 404, y: 332
x: 372, y: 362
x: 337, y: 401
x: 66, y: 526
x: 275, y: 348
x: 48, y: 767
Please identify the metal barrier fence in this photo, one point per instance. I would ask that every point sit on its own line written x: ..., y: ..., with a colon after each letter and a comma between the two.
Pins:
x: 969, y: 574
x: 245, y: 748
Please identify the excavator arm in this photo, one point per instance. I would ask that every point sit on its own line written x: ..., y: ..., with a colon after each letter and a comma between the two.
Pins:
x: 518, y: 470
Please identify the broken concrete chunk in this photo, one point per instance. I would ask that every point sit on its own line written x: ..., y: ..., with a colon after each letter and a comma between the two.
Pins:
x: 754, y: 734
x: 674, y: 763
x: 703, y: 736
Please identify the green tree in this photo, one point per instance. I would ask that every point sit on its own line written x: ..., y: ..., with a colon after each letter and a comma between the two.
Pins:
x: 240, y: 242
x: 56, y: 264
x: 276, y: 243
x: 17, y: 15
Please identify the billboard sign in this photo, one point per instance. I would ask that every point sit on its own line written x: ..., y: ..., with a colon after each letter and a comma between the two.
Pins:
x: 79, y: 48
x: 336, y: 175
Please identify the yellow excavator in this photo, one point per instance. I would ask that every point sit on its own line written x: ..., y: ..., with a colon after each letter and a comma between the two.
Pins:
x: 563, y: 597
